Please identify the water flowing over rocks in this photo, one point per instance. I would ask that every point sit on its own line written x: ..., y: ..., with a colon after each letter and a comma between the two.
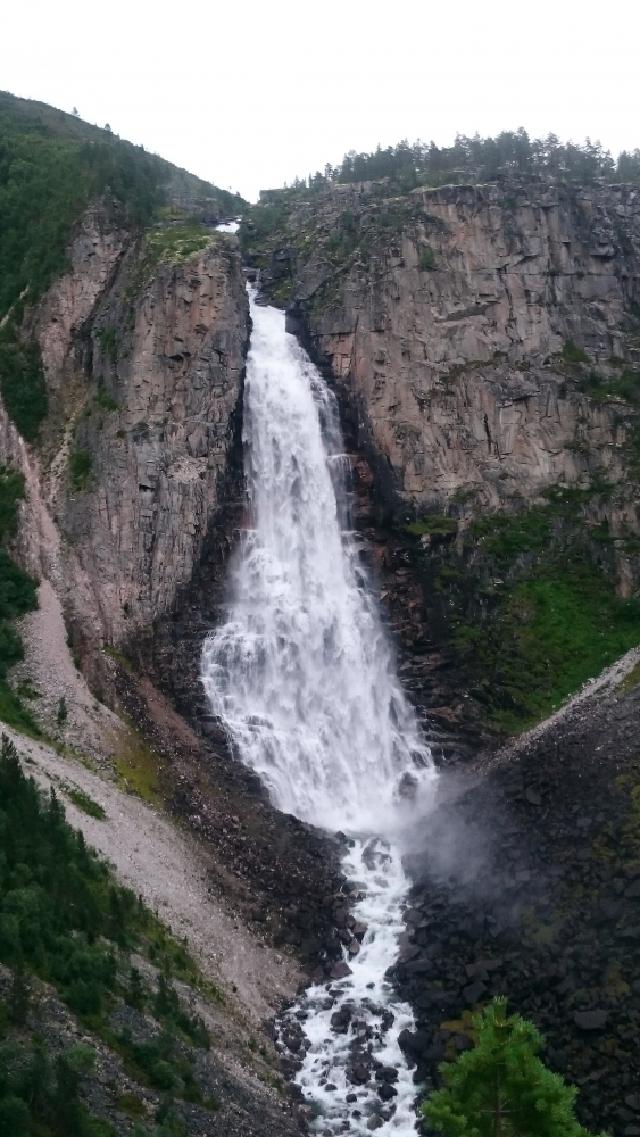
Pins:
x: 302, y: 677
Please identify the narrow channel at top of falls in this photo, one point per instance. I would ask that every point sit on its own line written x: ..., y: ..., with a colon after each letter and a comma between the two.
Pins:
x: 303, y: 678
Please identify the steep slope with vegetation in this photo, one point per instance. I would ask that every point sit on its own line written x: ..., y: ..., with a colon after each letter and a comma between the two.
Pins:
x: 95, y: 1038
x: 96, y: 237
x: 121, y: 366
x: 485, y: 340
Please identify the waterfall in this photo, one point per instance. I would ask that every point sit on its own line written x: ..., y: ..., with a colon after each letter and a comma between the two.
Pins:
x: 303, y: 677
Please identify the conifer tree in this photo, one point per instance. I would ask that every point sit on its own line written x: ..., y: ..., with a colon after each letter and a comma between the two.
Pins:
x: 501, y: 1088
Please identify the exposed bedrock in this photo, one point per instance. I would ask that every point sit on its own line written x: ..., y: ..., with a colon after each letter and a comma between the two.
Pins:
x: 446, y: 322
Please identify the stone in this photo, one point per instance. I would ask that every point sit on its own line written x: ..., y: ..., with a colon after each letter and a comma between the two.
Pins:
x: 387, y: 1092
x: 340, y: 970
x: 387, y: 1074
x: 591, y: 1020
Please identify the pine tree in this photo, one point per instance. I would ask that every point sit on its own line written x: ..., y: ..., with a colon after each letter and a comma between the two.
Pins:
x: 500, y: 1088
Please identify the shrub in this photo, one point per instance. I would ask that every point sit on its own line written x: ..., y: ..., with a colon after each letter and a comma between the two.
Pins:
x: 80, y: 463
x: 426, y: 259
x: 22, y: 383
x: 571, y: 353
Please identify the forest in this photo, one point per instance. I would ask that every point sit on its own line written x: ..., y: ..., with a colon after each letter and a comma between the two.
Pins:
x: 475, y: 159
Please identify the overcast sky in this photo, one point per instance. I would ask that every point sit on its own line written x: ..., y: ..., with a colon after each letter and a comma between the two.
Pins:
x: 250, y: 94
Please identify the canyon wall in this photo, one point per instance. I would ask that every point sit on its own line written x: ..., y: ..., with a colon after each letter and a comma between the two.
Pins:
x: 144, y: 378
x: 485, y: 345
x: 445, y: 313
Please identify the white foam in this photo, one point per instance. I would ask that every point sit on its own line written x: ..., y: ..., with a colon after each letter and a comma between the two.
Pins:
x: 303, y: 677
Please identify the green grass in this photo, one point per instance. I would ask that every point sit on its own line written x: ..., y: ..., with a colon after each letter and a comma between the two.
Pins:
x: 530, y: 608
x: 506, y: 536
x: 168, y: 244
x: 631, y: 681
x: 137, y: 770
x: 85, y: 803
x: 547, y: 636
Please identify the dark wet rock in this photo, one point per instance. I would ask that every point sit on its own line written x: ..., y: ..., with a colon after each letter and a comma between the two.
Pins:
x: 359, y: 1074
x: 591, y: 1020
x: 340, y: 1020
x: 340, y: 970
x: 386, y: 1091
x: 386, y: 1074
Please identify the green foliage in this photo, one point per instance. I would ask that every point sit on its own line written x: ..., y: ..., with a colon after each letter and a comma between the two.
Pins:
x: 426, y: 259
x: 105, y: 401
x: 80, y: 463
x: 61, y: 914
x: 435, y: 525
x: 625, y: 386
x: 506, y: 535
x: 51, y: 166
x: 265, y: 219
x: 62, y: 712
x: 555, y: 620
x: 11, y: 493
x: 475, y: 160
x: 571, y: 353
x: 501, y: 1088
x: 168, y: 244
x: 551, y: 635
x: 22, y: 382
x: 531, y: 611
x: 42, y: 1098
x: 17, y: 597
x: 84, y: 802
x: 108, y: 340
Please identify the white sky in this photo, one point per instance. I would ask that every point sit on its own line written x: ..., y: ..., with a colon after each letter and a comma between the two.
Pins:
x: 250, y: 95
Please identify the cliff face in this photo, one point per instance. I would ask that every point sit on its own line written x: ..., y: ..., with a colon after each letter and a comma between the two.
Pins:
x: 485, y: 342
x: 164, y: 364
x: 143, y: 372
x: 447, y: 326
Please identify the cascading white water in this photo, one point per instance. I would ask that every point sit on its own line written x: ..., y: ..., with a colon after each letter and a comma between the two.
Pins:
x: 303, y: 678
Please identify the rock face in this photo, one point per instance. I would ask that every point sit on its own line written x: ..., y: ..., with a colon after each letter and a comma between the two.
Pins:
x: 446, y: 325
x: 484, y: 342
x: 144, y: 374
x: 154, y: 409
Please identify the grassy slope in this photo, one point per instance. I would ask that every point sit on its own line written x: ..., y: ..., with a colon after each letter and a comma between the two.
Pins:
x: 528, y: 607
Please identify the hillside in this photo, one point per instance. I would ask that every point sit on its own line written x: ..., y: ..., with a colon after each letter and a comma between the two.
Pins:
x: 475, y: 311
x: 124, y: 328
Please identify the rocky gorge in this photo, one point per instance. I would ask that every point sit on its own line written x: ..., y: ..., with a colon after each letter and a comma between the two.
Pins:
x: 483, y: 343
